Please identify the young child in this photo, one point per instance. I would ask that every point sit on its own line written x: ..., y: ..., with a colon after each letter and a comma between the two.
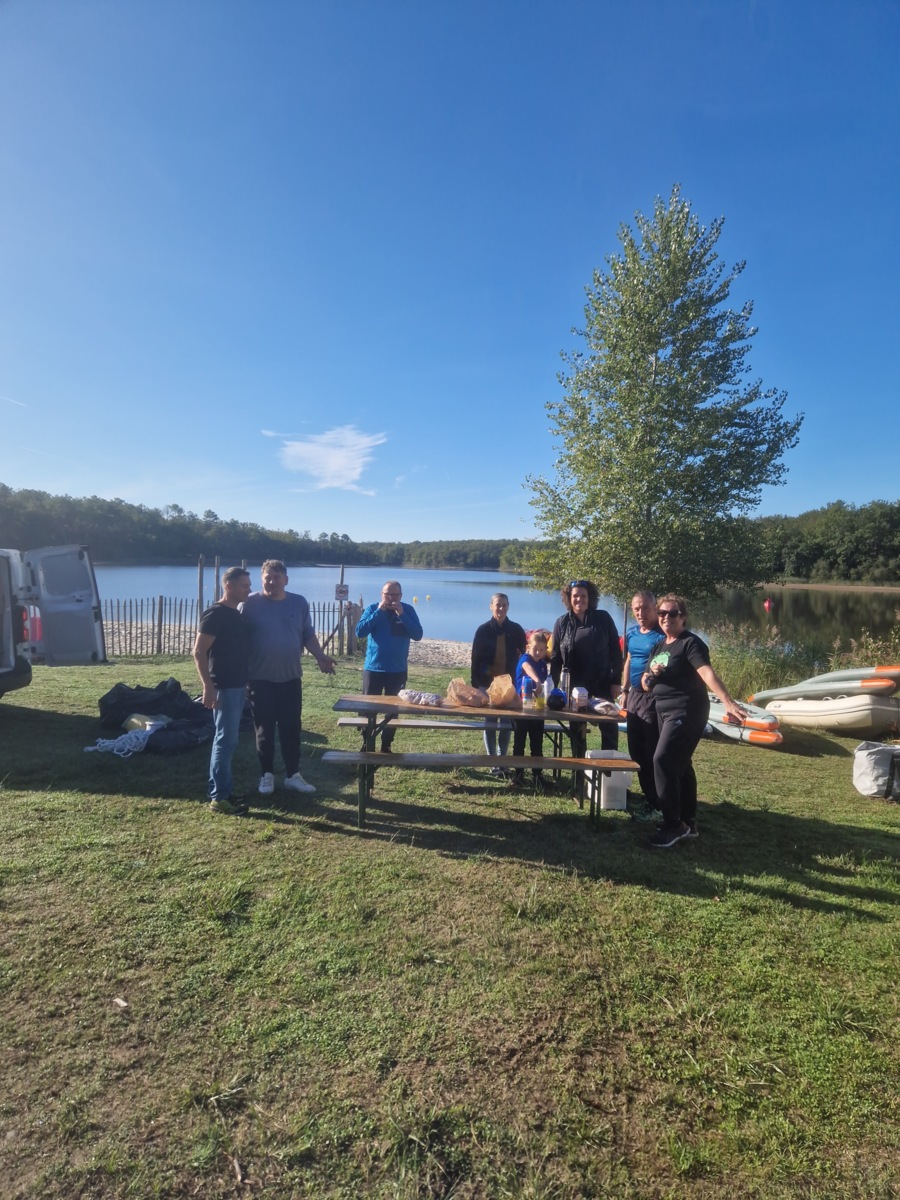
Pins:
x: 532, y: 665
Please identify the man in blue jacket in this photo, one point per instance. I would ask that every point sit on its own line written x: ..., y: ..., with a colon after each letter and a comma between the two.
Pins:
x: 388, y: 626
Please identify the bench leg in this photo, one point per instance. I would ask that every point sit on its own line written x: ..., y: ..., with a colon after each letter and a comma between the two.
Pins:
x: 363, y: 794
x: 556, y: 738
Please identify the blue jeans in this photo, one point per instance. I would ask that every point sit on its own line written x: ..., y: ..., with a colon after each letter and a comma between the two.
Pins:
x: 227, y: 715
x: 498, y: 730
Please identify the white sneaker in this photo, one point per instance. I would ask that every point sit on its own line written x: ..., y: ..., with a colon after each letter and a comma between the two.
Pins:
x: 296, y: 783
x: 266, y: 784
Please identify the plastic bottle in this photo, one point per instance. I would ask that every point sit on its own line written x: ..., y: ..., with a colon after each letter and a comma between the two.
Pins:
x: 527, y: 693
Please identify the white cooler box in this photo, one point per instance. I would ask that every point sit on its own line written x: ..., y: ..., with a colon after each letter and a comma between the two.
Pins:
x: 608, y: 791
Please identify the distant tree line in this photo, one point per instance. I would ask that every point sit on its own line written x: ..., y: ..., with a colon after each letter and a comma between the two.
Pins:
x: 838, y: 543
x: 118, y: 532
x: 841, y: 543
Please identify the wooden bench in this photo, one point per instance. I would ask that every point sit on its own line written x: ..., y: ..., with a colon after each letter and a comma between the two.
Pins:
x: 366, y: 761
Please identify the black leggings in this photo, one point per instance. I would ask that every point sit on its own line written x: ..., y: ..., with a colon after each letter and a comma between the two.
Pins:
x: 534, y: 731
x: 673, y: 771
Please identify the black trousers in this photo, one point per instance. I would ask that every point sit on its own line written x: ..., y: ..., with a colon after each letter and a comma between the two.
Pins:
x: 384, y: 683
x: 277, y: 706
x: 673, y: 771
x: 643, y: 736
x: 534, y: 732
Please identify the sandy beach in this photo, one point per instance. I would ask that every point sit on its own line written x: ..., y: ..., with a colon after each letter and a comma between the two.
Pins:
x: 431, y: 652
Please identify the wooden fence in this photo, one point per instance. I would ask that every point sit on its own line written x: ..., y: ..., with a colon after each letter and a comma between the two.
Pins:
x: 134, y: 628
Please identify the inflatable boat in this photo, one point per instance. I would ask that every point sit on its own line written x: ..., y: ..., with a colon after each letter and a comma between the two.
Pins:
x: 759, y: 727
x: 824, y: 687
x: 860, y: 715
x: 860, y: 673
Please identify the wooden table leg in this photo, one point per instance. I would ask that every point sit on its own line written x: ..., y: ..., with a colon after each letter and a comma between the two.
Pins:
x: 366, y: 774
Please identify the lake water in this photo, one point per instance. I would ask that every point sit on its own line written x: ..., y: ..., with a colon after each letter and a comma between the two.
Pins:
x: 452, y: 603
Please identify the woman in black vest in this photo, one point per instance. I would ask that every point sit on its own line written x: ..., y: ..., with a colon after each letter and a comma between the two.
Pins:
x: 586, y: 642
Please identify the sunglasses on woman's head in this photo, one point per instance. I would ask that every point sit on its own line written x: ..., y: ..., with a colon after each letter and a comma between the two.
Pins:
x: 579, y: 583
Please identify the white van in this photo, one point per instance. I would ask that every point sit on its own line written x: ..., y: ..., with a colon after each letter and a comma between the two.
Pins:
x: 49, y: 612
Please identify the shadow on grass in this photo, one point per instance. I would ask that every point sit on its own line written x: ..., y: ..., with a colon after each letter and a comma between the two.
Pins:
x: 805, y: 862
x: 806, y: 743
x: 52, y: 751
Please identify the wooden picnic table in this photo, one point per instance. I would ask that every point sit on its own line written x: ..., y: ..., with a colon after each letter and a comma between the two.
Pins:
x: 379, y: 711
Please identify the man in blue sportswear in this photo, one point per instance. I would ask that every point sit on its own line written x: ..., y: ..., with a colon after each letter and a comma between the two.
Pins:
x: 389, y: 626
x: 220, y: 652
x: 643, y: 732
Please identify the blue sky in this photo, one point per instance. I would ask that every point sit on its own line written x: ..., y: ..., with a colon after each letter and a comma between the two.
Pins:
x: 312, y: 264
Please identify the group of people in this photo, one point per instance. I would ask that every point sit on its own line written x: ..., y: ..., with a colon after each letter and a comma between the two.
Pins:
x: 662, y: 674
x: 584, y: 643
x: 252, y: 643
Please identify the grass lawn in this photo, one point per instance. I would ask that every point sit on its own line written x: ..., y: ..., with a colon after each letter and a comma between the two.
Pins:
x: 477, y: 996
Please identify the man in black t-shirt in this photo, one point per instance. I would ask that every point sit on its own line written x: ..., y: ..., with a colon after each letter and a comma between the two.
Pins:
x: 221, y: 655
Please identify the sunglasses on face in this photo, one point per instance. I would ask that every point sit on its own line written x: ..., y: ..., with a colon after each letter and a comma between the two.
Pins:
x: 670, y: 612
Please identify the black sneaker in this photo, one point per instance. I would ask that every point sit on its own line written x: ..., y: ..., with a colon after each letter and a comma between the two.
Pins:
x: 668, y: 836
x: 693, y: 831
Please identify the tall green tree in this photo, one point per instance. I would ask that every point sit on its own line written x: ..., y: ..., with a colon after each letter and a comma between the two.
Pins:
x: 663, y: 442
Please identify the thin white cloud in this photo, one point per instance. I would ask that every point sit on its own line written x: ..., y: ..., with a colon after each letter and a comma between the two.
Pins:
x: 9, y: 400
x: 399, y: 480
x: 335, y: 459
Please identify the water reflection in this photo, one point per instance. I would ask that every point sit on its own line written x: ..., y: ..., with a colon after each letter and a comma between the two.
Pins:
x: 822, y: 615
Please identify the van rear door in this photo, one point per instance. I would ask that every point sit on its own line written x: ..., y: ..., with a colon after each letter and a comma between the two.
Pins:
x: 65, y: 622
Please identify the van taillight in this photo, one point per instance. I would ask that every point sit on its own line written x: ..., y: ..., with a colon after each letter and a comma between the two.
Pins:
x: 20, y: 624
